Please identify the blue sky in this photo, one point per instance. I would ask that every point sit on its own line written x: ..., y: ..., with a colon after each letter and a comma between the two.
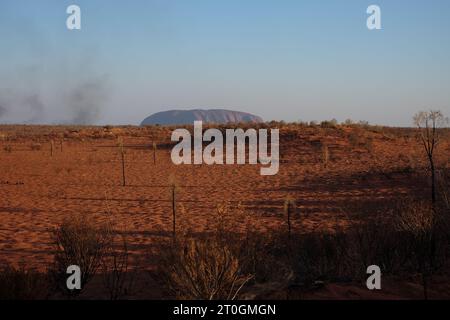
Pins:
x: 282, y: 60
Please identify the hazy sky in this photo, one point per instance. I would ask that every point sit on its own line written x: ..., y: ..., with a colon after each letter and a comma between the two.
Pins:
x: 280, y: 59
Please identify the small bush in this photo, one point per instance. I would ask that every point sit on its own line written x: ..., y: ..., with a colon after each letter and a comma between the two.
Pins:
x: 418, y: 223
x: 443, y: 190
x: 376, y: 241
x: 36, y: 147
x: 213, y: 265
x: 320, y: 257
x: 78, y: 241
x: 348, y: 122
x: 118, y: 277
x: 354, y: 138
x: 7, y: 148
x: 368, y: 144
x: 204, y: 269
x: 329, y: 124
x: 22, y: 284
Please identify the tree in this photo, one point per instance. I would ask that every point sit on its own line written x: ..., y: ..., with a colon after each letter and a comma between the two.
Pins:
x: 429, y: 123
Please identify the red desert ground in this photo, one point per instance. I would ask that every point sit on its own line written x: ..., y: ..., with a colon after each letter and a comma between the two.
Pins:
x: 345, y: 197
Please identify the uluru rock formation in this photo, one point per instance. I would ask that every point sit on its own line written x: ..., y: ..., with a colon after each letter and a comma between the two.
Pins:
x: 174, y: 117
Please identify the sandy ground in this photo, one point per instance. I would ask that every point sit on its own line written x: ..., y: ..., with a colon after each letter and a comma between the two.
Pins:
x: 38, y: 190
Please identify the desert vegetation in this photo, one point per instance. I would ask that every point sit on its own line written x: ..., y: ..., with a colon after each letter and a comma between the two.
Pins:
x: 347, y: 196
x: 78, y: 242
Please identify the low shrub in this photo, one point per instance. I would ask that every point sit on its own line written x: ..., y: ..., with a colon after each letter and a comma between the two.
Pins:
x: 78, y: 241
x: 203, y: 269
x: 22, y: 284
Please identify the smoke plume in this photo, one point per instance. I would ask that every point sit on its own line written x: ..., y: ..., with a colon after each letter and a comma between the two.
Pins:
x: 36, y: 107
x: 86, y: 101
x: 3, y: 111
